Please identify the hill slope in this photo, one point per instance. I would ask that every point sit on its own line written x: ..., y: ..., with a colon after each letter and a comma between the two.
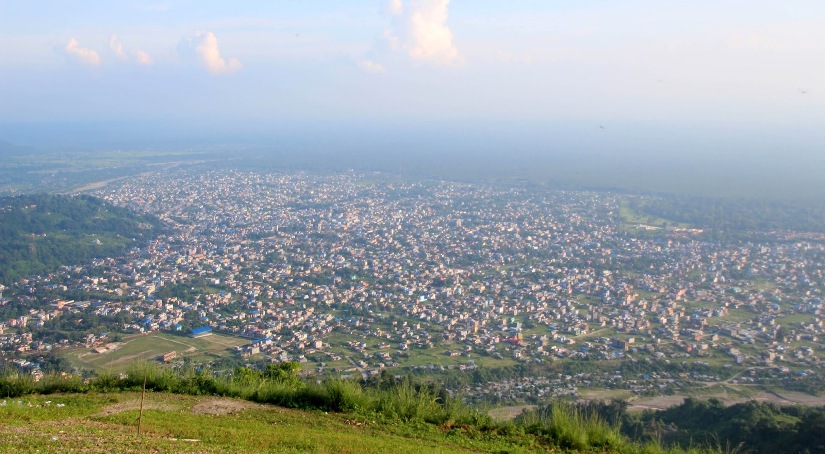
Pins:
x: 176, y: 423
x: 38, y: 233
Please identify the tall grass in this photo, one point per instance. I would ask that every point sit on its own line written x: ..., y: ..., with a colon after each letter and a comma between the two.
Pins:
x: 571, y: 427
x: 346, y: 396
x: 14, y: 384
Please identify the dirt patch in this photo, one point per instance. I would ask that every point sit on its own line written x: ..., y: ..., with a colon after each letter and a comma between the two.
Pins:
x: 508, y: 413
x: 128, y: 405
x: 223, y: 406
x: 779, y: 398
x: 126, y: 359
x: 605, y: 394
x: 789, y: 398
x: 655, y: 403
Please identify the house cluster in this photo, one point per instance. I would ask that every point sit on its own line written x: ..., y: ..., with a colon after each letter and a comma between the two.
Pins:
x: 358, y: 274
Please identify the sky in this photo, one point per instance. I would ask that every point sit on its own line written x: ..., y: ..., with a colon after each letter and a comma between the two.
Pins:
x: 733, y: 76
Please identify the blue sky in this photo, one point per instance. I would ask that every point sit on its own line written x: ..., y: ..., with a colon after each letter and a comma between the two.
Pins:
x: 730, y: 69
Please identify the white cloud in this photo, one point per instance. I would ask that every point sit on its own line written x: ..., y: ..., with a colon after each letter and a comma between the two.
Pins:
x: 142, y: 57
x: 117, y: 48
x: 396, y: 7
x: 419, y: 28
x: 371, y: 66
x: 81, y: 54
x: 205, y: 46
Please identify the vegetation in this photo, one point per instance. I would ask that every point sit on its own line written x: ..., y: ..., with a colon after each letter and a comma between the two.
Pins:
x: 39, y: 233
x: 731, y: 218
x: 749, y: 427
x: 108, y: 423
x: 756, y: 427
x: 396, y: 406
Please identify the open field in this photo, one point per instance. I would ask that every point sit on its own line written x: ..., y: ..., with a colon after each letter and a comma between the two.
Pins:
x: 629, y: 219
x: 147, y: 347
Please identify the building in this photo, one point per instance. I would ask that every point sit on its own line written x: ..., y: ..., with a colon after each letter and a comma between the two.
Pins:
x: 200, y: 332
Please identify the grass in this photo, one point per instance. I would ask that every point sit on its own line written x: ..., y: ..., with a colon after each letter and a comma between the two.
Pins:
x: 572, y: 428
x: 629, y: 217
x: 108, y: 422
x: 438, y: 356
x: 736, y: 315
x: 418, y: 356
x: 795, y: 319
x: 725, y: 392
x: 579, y: 428
x: 173, y: 423
x: 206, y: 414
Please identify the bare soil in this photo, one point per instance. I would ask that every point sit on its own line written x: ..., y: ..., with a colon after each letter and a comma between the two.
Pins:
x: 508, y: 413
x: 780, y: 398
x: 224, y: 406
x: 128, y: 405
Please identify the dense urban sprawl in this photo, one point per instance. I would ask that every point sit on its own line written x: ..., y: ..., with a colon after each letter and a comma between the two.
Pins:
x: 357, y: 273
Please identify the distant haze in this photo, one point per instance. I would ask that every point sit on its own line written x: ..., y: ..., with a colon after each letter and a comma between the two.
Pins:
x: 723, y: 94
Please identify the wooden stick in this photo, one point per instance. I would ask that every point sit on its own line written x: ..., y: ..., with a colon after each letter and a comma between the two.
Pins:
x: 142, y: 397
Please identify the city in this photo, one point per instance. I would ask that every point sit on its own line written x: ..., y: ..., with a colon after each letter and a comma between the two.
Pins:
x: 353, y: 274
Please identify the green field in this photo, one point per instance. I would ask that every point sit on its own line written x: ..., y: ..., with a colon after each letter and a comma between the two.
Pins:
x: 631, y: 219
x: 795, y: 319
x: 147, y: 347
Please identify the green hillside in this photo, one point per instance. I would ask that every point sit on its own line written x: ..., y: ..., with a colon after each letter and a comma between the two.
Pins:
x: 275, y: 411
x: 39, y: 233
x: 175, y: 423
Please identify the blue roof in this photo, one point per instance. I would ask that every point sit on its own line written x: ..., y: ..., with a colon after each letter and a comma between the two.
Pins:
x: 201, y: 330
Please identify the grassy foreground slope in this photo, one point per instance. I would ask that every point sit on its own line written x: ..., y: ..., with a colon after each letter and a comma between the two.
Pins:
x: 194, y: 411
x: 176, y: 423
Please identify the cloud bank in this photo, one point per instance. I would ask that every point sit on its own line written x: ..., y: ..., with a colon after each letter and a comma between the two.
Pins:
x: 81, y: 54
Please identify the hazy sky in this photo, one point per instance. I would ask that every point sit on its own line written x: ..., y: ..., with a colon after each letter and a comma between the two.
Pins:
x: 739, y: 66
